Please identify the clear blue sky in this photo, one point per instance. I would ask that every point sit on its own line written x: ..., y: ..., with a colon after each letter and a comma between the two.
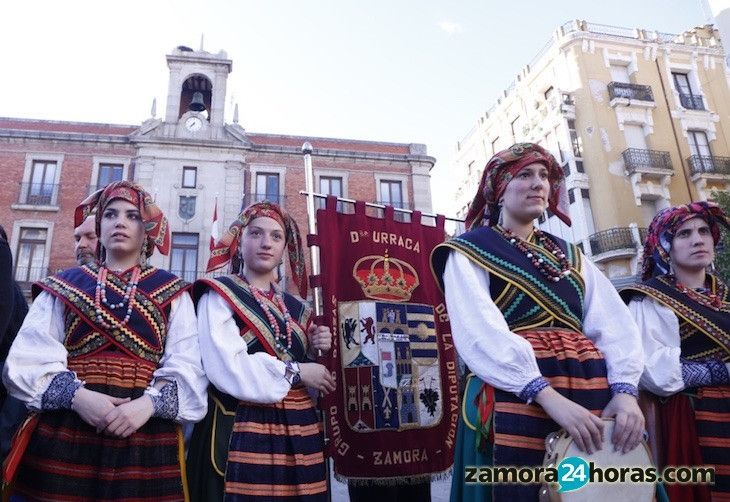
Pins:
x: 408, y: 71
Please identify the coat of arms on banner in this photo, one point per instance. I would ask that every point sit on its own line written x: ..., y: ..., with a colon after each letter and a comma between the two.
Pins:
x: 394, y: 414
x: 389, y: 351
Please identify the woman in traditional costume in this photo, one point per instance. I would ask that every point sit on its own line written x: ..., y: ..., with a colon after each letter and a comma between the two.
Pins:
x: 545, y: 335
x: 108, y: 361
x: 684, y: 316
x: 262, y: 438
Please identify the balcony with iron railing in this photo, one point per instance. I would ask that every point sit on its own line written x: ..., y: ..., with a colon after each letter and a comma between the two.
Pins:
x: 613, y: 243
x: 709, y: 164
x: 643, y: 232
x: 567, y: 105
x: 638, y: 159
x: 691, y: 101
x: 632, y: 92
x: 38, y: 194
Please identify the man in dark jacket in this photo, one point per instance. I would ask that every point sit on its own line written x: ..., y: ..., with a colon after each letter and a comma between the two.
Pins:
x: 13, y: 308
x: 13, y: 305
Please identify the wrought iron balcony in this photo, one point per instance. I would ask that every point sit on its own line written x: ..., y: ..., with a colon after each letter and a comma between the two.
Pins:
x: 630, y: 91
x: 643, y: 232
x: 691, y: 101
x: 614, y: 239
x: 637, y: 158
x: 709, y: 164
x: 38, y: 194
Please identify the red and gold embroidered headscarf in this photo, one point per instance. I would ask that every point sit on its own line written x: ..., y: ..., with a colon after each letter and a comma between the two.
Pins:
x: 155, y: 223
x: 227, y: 247
x: 500, y: 170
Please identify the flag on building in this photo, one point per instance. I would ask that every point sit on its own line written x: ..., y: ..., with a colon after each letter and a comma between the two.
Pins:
x: 214, y: 232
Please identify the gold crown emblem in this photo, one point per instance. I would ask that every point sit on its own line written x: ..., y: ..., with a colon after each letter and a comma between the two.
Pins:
x: 385, y: 278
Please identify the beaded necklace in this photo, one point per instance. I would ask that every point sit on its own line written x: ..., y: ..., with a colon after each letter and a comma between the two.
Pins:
x: 278, y: 298
x: 704, y: 297
x: 100, y: 295
x: 545, y: 266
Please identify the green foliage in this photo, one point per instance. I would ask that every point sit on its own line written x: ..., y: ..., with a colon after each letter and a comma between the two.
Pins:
x: 722, y: 260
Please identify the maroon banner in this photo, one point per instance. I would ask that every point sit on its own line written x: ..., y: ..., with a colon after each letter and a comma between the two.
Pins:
x: 394, y: 412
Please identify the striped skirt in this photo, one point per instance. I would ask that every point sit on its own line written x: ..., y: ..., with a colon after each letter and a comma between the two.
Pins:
x: 67, y: 460
x: 276, y: 452
x: 696, y: 431
x: 576, y: 369
x: 712, y: 417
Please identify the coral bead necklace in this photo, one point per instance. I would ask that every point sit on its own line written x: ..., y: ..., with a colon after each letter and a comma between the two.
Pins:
x: 278, y: 298
x: 128, y: 298
x: 545, y: 266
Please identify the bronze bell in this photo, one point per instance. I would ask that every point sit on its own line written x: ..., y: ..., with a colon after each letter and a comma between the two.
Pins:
x: 197, y: 104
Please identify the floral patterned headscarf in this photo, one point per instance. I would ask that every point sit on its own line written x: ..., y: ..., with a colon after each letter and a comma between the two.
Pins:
x: 655, y: 259
x: 155, y: 223
x: 227, y: 247
x: 501, y: 168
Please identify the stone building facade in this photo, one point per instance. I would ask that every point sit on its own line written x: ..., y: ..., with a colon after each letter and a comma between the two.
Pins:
x: 638, y: 118
x: 192, y: 161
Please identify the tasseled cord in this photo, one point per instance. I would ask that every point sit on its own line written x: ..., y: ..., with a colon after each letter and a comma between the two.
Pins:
x: 485, y: 411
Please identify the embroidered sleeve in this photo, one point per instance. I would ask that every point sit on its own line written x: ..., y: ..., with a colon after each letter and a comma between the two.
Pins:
x: 256, y: 377
x: 719, y: 371
x: 495, y: 354
x: 60, y: 391
x: 531, y: 390
x: 164, y: 401
x: 608, y: 323
x: 704, y: 373
x: 624, y: 388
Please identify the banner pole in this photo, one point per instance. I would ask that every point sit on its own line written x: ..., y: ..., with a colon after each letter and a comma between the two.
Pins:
x: 316, y: 290
x: 313, y: 250
x: 379, y: 206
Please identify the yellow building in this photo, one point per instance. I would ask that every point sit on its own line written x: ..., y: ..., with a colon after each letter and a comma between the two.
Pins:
x: 639, y: 119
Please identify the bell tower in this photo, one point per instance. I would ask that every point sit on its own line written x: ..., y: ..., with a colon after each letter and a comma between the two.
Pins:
x: 196, y: 91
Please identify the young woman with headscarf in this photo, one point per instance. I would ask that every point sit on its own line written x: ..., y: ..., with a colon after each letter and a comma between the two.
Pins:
x: 684, y: 316
x: 545, y: 335
x: 261, y: 439
x: 108, y: 361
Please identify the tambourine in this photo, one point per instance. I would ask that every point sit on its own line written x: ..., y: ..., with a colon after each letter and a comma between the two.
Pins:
x: 559, y: 445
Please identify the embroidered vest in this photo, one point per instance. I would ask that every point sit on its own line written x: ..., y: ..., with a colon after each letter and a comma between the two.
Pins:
x: 526, y: 298
x: 143, y: 336
x: 704, y: 332
x: 252, y: 320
